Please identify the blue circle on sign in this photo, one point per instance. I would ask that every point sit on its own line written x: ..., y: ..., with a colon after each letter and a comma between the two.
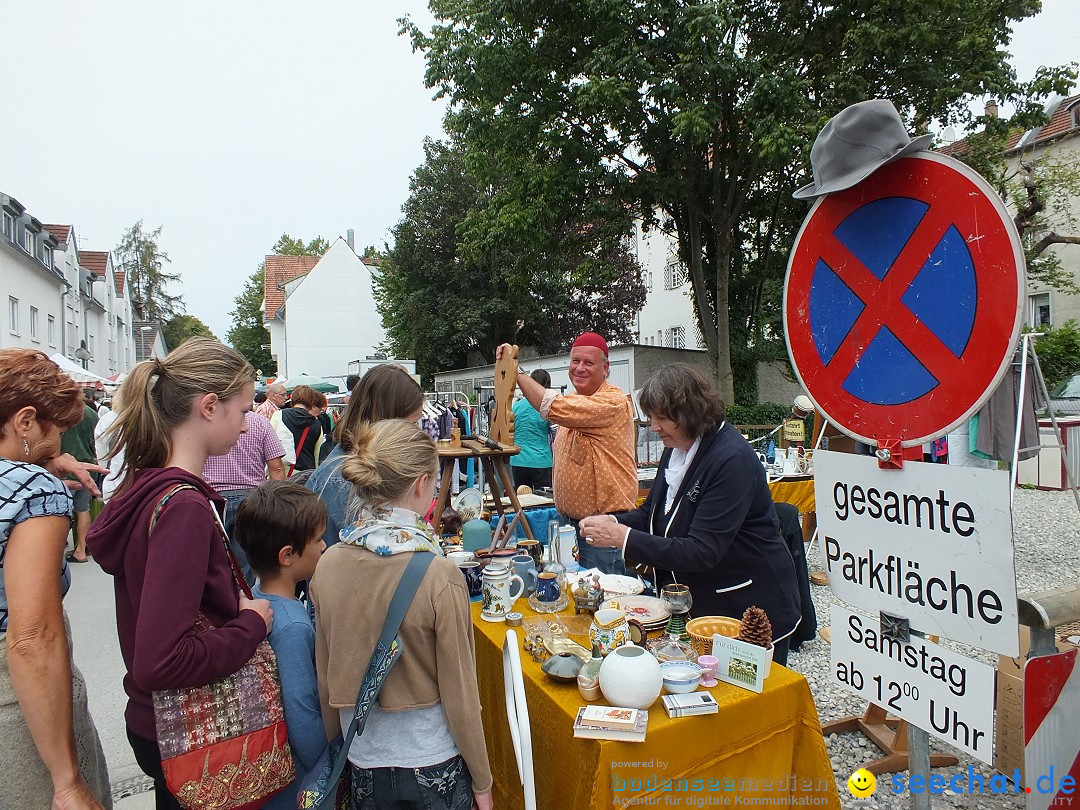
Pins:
x: 942, y: 295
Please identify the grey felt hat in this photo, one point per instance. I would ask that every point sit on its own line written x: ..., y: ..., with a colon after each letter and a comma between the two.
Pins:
x: 856, y: 142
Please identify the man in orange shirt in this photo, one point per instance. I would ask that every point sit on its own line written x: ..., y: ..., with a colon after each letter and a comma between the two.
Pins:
x: 595, y: 467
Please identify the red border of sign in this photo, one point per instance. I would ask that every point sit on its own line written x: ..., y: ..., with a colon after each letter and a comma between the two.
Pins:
x: 996, y: 252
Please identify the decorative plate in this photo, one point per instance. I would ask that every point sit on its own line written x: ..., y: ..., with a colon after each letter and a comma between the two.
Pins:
x: 617, y: 584
x: 646, y: 609
x: 469, y: 503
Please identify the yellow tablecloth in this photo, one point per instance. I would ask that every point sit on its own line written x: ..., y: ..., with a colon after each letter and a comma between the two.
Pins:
x: 767, y: 745
x: 799, y: 492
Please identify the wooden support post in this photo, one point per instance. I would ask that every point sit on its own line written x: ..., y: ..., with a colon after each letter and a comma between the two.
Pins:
x: 887, y: 733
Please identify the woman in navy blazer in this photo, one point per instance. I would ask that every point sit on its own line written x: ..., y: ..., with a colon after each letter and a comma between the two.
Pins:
x: 709, y: 520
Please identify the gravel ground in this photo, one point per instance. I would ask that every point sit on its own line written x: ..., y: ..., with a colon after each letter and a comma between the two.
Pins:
x: 1047, y: 556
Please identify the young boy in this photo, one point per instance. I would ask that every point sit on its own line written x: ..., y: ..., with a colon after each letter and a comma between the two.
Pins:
x: 280, y: 526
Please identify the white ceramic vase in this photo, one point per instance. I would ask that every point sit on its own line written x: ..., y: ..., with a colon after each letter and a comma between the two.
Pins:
x: 630, y: 677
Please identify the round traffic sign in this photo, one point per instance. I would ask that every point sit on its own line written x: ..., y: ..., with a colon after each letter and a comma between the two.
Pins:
x: 903, y: 300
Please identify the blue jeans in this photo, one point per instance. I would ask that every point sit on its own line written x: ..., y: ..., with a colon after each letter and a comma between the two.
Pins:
x: 446, y: 786
x: 233, y: 499
x: 608, y: 560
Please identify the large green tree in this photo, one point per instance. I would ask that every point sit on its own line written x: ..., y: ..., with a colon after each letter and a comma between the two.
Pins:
x: 141, y: 259
x: 181, y: 327
x: 467, y: 273
x: 701, y: 114
x: 248, y: 335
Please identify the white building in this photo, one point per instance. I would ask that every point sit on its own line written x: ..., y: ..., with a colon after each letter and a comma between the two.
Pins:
x: 667, y: 319
x: 58, y: 298
x: 321, y: 312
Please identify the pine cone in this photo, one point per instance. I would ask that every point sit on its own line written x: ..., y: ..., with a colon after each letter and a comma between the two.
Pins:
x: 755, y: 627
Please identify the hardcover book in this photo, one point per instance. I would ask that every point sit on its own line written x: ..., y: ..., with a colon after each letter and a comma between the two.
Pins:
x: 609, y: 716
x: 690, y: 704
x: 635, y: 734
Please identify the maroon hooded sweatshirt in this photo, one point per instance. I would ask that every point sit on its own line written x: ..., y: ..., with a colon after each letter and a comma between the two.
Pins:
x: 162, y: 582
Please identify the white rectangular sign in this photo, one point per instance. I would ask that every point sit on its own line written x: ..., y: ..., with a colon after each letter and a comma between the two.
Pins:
x: 940, y: 691
x: 930, y: 543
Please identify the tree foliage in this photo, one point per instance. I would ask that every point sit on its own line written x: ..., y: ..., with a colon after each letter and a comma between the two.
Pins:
x: 181, y: 327
x: 1059, y: 352
x: 144, y: 262
x: 248, y: 335
x: 702, y: 114
x: 288, y: 246
x: 469, y: 271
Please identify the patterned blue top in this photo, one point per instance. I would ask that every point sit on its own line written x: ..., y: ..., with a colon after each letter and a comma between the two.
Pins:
x: 28, y: 491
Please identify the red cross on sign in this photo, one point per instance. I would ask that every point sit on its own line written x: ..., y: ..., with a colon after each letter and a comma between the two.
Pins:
x: 903, y: 300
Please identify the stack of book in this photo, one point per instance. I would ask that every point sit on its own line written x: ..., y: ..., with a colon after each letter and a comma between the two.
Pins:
x: 611, y: 723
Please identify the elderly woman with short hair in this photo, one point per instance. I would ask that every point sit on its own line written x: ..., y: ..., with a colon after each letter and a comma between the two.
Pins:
x: 709, y: 521
x: 52, y: 756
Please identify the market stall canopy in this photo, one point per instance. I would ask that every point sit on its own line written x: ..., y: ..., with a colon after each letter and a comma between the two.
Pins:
x: 317, y: 383
x: 81, y: 375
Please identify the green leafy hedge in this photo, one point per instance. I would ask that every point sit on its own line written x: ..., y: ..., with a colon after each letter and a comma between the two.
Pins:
x: 1059, y: 352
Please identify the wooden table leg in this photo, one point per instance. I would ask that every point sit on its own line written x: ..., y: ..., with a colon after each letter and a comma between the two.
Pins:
x: 493, y: 483
x: 444, y: 494
x: 511, y: 493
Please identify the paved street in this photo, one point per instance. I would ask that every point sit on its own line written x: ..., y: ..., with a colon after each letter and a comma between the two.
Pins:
x: 89, y: 606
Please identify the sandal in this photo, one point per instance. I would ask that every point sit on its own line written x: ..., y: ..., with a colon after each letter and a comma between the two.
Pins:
x: 72, y: 558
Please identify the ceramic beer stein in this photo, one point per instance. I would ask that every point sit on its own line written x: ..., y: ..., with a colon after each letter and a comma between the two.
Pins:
x: 501, y: 590
x: 473, y: 579
x: 547, y: 587
x: 525, y: 568
x: 609, y: 629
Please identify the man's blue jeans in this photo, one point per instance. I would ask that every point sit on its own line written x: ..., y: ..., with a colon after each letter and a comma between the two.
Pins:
x: 608, y: 560
x: 233, y: 499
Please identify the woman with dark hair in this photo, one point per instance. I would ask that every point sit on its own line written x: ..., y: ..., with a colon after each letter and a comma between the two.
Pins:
x: 709, y: 521
x: 52, y: 755
x: 387, y: 391
x: 532, y: 433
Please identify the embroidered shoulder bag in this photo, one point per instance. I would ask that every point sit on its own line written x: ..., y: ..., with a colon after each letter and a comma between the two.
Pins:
x: 224, y: 745
x: 326, y: 786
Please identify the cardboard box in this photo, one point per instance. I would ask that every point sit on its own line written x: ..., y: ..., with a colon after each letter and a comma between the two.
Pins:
x: 1009, y: 724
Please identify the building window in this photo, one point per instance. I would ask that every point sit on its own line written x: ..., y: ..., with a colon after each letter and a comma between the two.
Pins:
x: 1040, y: 309
x: 13, y: 315
x: 52, y: 331
x: 678, y: 337
x: 45, y: 255
x: 674, y: 276
x: 28, y: 241
x: 34, y: 324
x: 9, y: 226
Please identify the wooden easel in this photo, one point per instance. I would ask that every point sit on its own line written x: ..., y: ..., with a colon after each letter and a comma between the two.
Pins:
x: 494, y: 461
x: 887, y: 733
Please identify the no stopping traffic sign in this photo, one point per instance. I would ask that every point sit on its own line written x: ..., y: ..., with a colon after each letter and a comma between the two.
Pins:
x: 903, y: 300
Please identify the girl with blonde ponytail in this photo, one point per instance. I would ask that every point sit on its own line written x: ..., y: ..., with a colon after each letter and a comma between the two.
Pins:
x: 175, y: 413
x: 426, y: 723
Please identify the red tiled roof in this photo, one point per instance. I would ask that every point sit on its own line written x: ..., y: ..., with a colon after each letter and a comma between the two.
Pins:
x: 96, y: 261
x: 1061, y: 121
x: 61, y: 232
x: 279, y: 270
x: 958, y: 149
x: 118, y: 277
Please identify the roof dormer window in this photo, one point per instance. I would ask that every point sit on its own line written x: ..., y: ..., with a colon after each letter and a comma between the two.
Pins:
x: 28, y: 241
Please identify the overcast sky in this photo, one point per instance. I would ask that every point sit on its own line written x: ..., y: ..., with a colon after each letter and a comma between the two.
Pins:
x: 229, y: 123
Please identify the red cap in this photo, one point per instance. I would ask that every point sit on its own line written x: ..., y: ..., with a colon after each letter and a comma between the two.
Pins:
x: 591, y: 339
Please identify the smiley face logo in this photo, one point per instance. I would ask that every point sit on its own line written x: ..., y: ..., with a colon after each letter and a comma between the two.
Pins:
x: 862, y: 784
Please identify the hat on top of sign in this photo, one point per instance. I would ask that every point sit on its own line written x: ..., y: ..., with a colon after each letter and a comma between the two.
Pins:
x: 856, y: 142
